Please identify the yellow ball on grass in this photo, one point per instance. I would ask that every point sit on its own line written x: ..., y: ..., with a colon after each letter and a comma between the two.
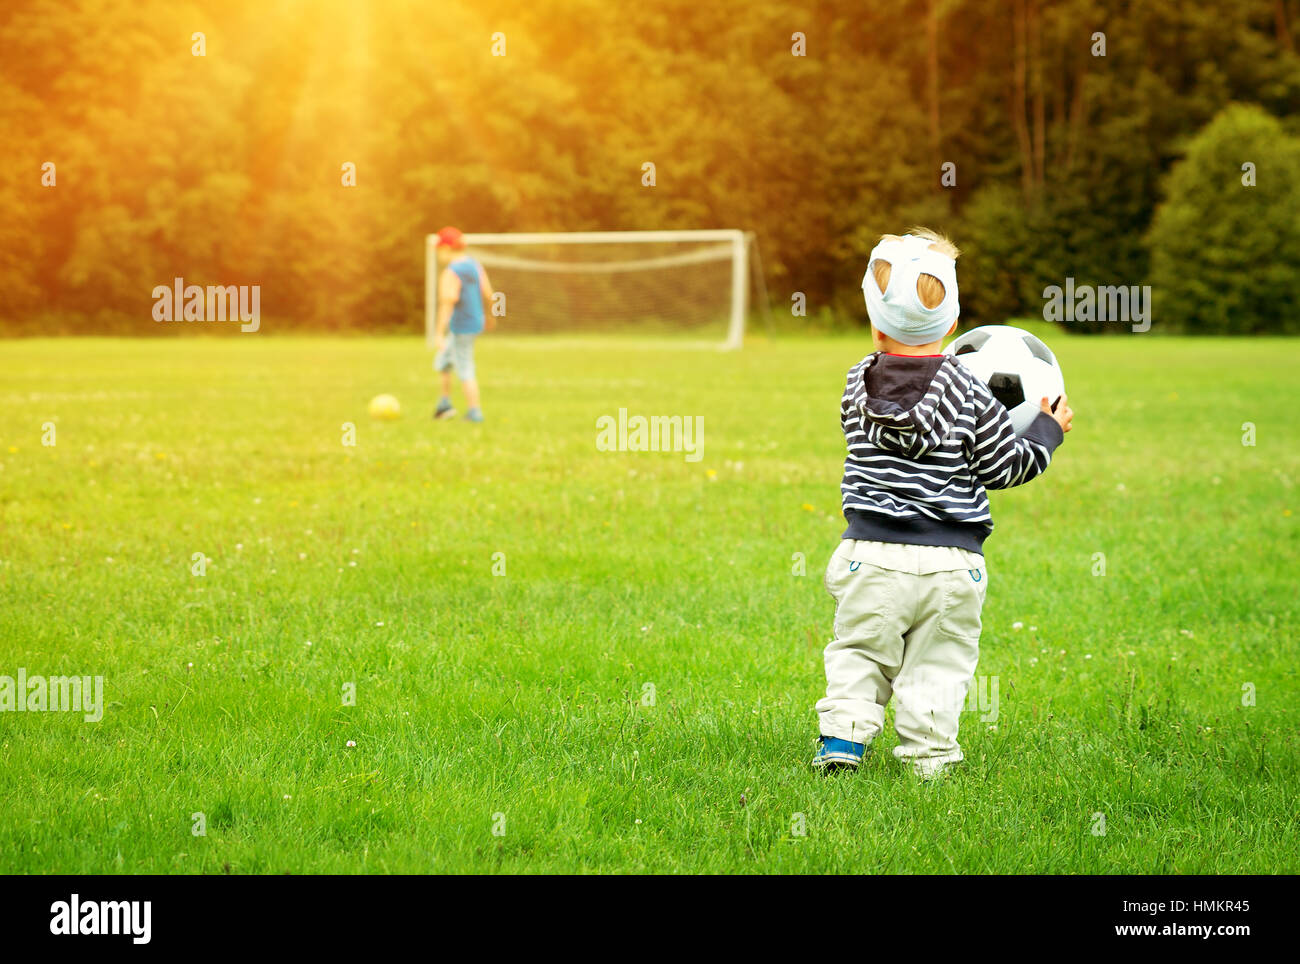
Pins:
x: 385, y: 407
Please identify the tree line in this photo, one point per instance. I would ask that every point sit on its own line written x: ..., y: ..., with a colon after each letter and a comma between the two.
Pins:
x: 309, y: 148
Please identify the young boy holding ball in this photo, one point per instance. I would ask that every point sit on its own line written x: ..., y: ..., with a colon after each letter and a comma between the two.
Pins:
x: 925, y: 440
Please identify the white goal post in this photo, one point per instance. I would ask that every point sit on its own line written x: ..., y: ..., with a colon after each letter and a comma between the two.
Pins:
x: 605, y: 280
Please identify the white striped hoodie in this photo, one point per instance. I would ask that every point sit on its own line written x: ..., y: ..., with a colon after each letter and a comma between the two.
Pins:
x: 925, y: 440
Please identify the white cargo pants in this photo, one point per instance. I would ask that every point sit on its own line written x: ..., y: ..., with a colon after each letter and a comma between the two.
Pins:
x: 907, y: 624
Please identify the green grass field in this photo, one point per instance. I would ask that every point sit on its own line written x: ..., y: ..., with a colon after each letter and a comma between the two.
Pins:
x: 480, y: 695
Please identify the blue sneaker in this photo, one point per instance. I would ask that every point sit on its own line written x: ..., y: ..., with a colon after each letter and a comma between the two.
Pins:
x: 835, y: 753
x: 444, y: 409
x: 474, y: 415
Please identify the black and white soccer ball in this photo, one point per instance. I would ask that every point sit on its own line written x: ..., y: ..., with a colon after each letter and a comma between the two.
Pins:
x: 1018, y: 368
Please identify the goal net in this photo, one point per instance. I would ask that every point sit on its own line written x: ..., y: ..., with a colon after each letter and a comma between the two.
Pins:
x: 638, y: 282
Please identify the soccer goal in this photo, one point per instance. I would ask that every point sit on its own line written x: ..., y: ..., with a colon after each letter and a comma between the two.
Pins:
x: 634, y: 282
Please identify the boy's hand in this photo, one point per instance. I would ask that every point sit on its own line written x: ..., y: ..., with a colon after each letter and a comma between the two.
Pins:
x: 1064, y: 414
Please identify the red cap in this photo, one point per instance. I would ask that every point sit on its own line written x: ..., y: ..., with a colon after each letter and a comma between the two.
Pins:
x: 450, y: 237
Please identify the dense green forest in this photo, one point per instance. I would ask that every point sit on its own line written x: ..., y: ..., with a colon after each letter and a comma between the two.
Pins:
x: 1111, y: 142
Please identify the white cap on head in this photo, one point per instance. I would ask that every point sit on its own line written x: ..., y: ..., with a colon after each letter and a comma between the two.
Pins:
x: 898, y: 311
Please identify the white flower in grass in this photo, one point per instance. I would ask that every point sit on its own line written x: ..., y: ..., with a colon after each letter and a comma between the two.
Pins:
x: 1017, y: 625
x: 380, y: 623
x: 352, y: 742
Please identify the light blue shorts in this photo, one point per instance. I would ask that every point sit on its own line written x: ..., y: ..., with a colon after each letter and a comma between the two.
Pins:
x: 457, y: 355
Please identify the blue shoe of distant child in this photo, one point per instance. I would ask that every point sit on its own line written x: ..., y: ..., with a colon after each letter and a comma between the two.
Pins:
x: 474, y: 415
x: 835, y: 753
x: 444, y: 409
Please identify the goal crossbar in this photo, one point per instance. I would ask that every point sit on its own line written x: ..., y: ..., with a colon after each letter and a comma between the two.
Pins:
x: 719, y: 252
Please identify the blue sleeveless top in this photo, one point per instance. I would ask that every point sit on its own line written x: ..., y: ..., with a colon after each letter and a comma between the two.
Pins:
x: 467, y: 316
